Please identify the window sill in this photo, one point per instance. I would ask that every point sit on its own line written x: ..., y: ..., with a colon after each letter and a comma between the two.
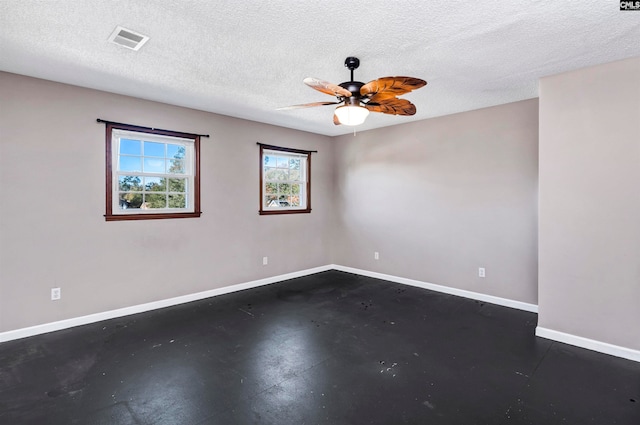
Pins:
x: 151, y: 216
x: 275, y: 212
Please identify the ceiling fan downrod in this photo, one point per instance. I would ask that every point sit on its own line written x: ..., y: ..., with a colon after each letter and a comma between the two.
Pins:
x: 352, y: 63
x: 353, y: 86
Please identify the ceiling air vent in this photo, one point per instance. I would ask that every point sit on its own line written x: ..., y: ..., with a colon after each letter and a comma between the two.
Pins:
x: 127, y: 38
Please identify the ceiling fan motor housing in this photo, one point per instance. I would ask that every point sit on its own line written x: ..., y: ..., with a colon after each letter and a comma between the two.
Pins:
x: 353, y: 87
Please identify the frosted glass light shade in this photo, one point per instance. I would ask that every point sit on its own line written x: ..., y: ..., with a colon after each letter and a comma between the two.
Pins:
x: 351, y: 115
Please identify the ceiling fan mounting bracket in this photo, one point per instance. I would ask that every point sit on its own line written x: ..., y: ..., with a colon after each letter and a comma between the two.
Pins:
x: 352, y: 63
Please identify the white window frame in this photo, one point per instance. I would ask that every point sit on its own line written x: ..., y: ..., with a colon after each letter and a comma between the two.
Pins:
x: 303, y: 181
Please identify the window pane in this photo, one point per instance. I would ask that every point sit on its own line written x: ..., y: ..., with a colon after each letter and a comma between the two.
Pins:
x: 130, y: 200
x: 154, y: 149
x: 276, y: 174
x: 269, y: 161
x: 129, y: 147
x: 295, y: 201
x: 269, y: 173
x: 130, y: 183
x: 155, y: 200
x: 294, y: 175
x: 283, y: 162
x: 130, y: 163
x: 281, y: 174
x: 295, y: 189
x: 153, y: 165
x: 177, y: 201
x: 271, y: 201
x: 178, y: 185
x: 175, y: 151
x: 284, y: 188
x: 294, y: 164
x: 155, y: 184
x: 176, y: 166
x: 271, y: 188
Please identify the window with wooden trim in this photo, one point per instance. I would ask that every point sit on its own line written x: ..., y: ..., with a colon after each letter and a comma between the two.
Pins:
x: 151, y: 173
x: 285, y: 180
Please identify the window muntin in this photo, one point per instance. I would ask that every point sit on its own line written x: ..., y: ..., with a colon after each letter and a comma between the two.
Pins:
x: 284, y: 183
x: 152, y: 174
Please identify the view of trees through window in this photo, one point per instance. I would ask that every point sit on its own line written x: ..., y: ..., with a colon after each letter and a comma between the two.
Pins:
x: 285, y: 181
x: 149, y: 175
x: 283, y: 177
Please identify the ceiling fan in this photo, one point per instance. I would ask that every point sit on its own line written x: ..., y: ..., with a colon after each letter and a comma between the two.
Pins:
x: 359, y: 99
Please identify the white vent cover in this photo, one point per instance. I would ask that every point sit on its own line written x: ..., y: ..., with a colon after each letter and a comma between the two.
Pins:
x: 127, y: 38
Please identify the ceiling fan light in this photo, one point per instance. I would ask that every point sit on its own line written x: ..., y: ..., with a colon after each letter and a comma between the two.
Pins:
x: 351, y: 114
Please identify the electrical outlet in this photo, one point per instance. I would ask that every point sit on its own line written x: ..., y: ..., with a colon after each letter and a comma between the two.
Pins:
x: 55, y: 294
x: 481, y: 272
x: 265, y: 261
x: 376, y: 255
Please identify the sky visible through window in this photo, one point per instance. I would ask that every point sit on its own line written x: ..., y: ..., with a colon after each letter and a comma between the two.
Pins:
x: 139, y: 164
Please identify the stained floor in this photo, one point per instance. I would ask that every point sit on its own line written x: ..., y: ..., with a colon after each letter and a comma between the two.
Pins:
x: 331, y: 348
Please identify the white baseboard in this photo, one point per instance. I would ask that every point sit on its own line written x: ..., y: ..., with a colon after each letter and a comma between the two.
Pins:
x: 590, y: 344
x: 141, y: 308
x: 445, y: 289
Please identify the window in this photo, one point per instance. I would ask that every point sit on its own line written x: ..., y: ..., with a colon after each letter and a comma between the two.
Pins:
x: 151, y: 173
x: 285, y: 180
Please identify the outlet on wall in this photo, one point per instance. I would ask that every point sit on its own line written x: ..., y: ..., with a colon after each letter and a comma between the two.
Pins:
x: 481, y: 272
x: 56, y: 293
x: 265, y: 261
x: 376, y: 255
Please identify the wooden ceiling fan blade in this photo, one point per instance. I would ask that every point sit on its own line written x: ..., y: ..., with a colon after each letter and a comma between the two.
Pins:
x: 327, y: 87
x: 392, y: 85
x: 392, y: 106
x: 306, y: 105
x: 382, y: 97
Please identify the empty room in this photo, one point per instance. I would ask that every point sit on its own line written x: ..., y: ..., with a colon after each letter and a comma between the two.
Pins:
x: 286, y: 212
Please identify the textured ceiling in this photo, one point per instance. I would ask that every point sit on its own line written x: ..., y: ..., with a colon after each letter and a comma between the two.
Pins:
x: 245, y: 58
